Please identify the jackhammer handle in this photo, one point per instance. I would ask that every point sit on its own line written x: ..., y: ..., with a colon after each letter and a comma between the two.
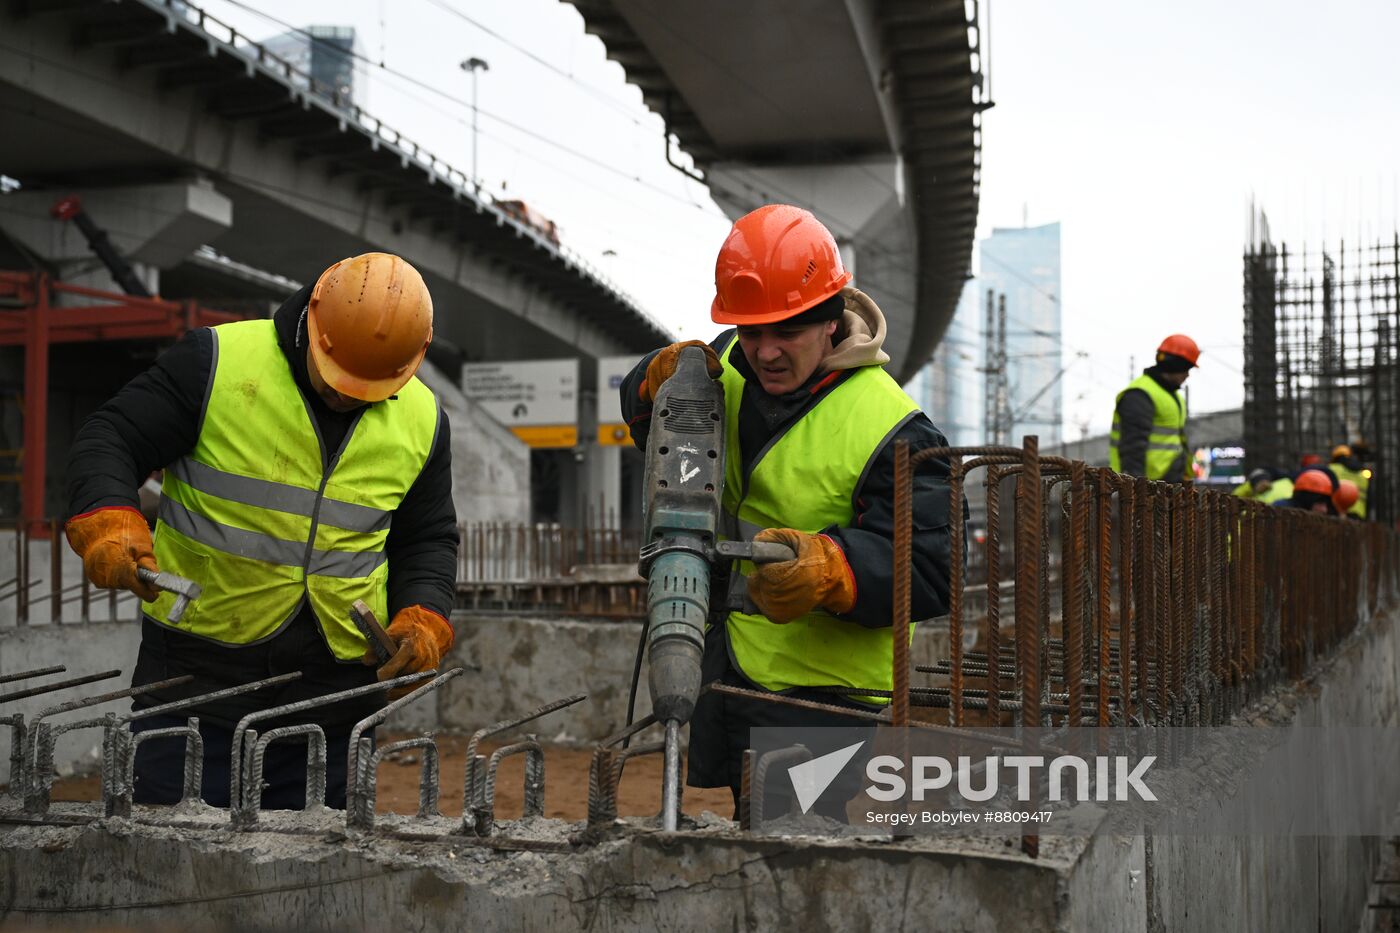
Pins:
x: 772, y: 552
x: 760, y: 552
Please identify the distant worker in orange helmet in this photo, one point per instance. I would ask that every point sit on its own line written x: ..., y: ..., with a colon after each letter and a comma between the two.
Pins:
x: 305, y: 467
x: 812, y: 419
x: 1149, y: 418
x: 1314, y: 490
x: 1345, y: 497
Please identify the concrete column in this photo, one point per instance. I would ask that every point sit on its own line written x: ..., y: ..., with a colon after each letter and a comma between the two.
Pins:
x: 600, y: 475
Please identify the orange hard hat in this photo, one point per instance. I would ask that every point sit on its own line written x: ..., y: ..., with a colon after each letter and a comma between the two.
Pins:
x: 777, y: 262
x: 1341, y: 450
x: 1314, y: 480
x: 1182, y: 346
x: 1346, y: 495
x: 369, y: 320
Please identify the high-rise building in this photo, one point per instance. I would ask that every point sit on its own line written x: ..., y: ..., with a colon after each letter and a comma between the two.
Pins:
x: 1023, y: 263
x: 949, y: 386
x: 324, y: 57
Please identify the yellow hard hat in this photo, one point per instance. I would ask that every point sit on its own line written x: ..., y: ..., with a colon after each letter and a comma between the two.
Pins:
x: 369, y: 321
x: 1341, y: 450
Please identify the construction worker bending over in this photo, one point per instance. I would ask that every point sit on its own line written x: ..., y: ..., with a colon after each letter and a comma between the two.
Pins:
x: 812, y: 419
x: 1149, y: 418
x: 1314, y: 490
x: 306, y: 467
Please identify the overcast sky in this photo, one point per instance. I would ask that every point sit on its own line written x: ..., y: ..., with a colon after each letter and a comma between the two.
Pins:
x: 1145, y: 130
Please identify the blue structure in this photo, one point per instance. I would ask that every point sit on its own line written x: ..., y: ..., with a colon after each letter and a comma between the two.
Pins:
x: 1023, y: 263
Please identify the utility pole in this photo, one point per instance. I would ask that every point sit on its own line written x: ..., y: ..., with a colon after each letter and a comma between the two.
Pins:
x: 472, y: 66
x: 1004, y: 425
x: 995, y: 387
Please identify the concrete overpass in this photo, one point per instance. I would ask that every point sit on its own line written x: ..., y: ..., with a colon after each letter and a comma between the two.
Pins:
x: 865, y: 111
x: 96, y: 94
x: 179, y: 134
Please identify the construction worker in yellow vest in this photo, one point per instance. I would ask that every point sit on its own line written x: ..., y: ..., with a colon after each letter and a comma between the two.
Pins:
x: 1149, y: 418
x: 812, y: 420
x: 1346, y: 465
x: 305, y: 467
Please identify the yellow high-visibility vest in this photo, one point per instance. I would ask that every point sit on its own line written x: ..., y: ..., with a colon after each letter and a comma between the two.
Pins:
x: 255, y: 517
x: 1167, y: 455
x: 807, y: 479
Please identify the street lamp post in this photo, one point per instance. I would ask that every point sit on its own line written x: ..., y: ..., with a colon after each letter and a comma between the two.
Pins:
x: 473, y: 65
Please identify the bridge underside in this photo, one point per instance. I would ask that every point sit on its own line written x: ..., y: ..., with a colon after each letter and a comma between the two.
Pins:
x: 865, y: 112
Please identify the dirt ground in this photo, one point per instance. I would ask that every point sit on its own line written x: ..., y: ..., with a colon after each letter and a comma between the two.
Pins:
x: 566, y: 784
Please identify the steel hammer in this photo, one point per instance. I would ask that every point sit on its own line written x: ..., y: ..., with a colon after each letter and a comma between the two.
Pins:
x: 186, y: 591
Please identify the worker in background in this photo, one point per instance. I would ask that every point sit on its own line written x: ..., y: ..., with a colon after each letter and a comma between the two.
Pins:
x: 1281, y: 487
x: 306, y: 467
x: 1346, y: 465
x: 1149, y: 419
x: 1313, y: 490
x: 1256, y: 485
x: 1345, y: 497
x: 812, y: 420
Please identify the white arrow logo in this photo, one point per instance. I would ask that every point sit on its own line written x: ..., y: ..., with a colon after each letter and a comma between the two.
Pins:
x: 811, y: 778
x: 688, y: 472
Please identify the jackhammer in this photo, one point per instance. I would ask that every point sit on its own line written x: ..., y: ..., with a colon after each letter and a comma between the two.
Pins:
x: 681, y: 548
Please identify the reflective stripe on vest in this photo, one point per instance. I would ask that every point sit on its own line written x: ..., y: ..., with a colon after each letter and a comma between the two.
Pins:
x: 1167, y: 455
x: 807, y: 478
x: 253, y: 516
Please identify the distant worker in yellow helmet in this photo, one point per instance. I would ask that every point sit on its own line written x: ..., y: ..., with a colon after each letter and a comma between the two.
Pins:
x: 1149, y: 417
x: 1346, y: 465
x: 305, y: 467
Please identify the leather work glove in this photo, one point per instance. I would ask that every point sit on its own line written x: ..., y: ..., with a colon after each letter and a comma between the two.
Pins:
x: 820, y: 576
x: 422, y: 636
x: 113, y: 541
x: 663, y: 367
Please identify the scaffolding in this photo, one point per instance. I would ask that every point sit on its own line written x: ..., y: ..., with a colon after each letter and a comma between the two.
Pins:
x: 1322, y: 356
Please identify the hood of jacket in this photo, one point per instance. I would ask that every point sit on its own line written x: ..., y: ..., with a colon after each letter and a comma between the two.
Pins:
x: 859, y: 336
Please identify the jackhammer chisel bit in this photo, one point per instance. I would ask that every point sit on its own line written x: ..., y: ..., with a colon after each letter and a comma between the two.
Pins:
x: 374, y: 633
x: 186, y: 591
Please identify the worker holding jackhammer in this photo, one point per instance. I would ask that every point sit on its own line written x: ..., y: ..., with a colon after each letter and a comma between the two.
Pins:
x: 812, y: 419
x: 305, y: 467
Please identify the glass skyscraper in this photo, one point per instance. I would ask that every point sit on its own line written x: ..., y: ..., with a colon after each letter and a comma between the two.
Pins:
x: 1023, y: 263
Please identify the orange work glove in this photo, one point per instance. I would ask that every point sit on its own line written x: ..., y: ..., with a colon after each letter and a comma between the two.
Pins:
x: 422, y: 636
x: 820, y: 576
x: 113, y: 541
x: 663, y: 366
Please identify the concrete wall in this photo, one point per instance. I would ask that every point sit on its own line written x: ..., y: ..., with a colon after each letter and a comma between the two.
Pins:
x: 490, y: 465
x: 528, y: 662
x: 85, y: 649
x: 1286, y: 883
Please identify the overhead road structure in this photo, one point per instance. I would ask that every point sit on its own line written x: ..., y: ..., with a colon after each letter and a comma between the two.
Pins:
x: 97, y: 94
x: 867, y: 112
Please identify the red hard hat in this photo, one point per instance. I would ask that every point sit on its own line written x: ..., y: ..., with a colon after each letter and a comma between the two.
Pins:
x: 1346, y: 495
x: 1182, y: 346
x: 1309, y: 460
x: 777, y: 262
x: 1313, y: 481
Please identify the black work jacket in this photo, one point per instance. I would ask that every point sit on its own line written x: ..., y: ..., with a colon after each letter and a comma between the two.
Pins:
x: 152, y: 422
x: 868, y: 542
